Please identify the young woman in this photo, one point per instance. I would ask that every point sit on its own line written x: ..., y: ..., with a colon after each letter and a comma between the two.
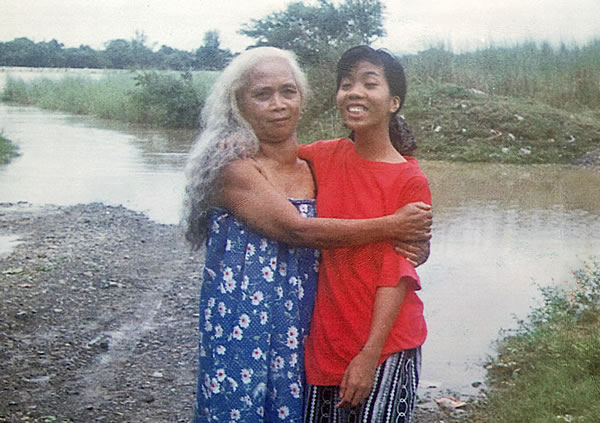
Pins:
x: 363, y: 349
x: 257, y: 293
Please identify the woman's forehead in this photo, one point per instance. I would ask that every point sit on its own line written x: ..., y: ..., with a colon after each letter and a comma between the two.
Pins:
x: 274, y: 71
x: 364, y: 68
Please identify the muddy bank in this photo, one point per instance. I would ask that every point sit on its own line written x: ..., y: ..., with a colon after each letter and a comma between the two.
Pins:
x: 98, y: 318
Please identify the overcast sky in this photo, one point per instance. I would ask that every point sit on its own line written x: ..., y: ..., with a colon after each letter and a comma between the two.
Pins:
x: 411, y: 25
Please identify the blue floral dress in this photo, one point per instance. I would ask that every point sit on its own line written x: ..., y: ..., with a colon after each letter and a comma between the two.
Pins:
x: 255, y: 308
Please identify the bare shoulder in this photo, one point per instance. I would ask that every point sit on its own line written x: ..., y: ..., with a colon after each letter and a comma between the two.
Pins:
x: 242, y: 174
x: 240, y: 169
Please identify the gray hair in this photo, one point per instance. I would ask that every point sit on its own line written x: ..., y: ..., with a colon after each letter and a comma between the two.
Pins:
x: 226, y: 137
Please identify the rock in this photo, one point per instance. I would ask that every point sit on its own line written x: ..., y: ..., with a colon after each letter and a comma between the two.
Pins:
x: 449, y: 402
x: 589, y: 159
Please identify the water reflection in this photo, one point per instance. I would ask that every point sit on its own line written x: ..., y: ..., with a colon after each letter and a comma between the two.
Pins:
x: 499, y: 230
x: 486, y: 264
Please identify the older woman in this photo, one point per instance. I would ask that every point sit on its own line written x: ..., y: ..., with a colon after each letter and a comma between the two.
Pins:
x: 257, y: 293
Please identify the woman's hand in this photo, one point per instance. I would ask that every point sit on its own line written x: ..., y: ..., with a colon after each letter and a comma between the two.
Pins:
x: 358, y: 379
x: 413, y: 222
x: 416, y: 252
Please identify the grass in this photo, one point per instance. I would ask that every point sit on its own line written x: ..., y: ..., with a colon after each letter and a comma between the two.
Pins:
x: 8, y: 150
x: 567, y: 77
x: 456, y: 123
x: 152, y: 98
x: 549, y: 370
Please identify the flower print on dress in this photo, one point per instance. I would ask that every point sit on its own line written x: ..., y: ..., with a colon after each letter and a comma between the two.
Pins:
x: 215, y: 387
x: 263, y: 244
x: 237, y: 333
x: 235, y: 414
x: 221, y: 375
x: 246, y: 375
x: 250, y: 251
x: 245, y: 283
x: 232, y: 384
x: 293, y: 359
x: 257, y: 354
x: 295, y: 390
x: 284, y: 412
x: 257, y: 297
x: 218, y: 331
x: 244, y: 321
x: 282, y: 269
x: 250, y: 321
x: 278, y: 363
x: 222, y: 309
x: 267, y: 273
x: 273, y: 263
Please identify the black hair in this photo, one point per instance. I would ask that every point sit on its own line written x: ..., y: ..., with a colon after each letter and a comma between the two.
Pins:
x: 393, y: 70
x: 402, y: 138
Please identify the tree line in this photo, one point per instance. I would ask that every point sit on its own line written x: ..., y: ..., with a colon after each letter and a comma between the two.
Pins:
x: 314, y: 33
x: 117, y: 54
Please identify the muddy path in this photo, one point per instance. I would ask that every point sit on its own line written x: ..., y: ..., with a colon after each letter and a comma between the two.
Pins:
x: 98, y: 318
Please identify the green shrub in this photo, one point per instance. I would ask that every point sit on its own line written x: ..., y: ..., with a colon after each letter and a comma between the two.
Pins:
x: 15, y: 91
x: 166, y: 101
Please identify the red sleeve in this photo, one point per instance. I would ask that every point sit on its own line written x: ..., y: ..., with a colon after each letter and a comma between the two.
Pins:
x: 319, y: 155
x: 318, y: 151
x: 308, y: 151
x: 415, y: 189
x: 394, y: 266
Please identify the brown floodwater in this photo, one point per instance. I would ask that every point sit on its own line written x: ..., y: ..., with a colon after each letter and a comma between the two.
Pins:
x: 499, y: 230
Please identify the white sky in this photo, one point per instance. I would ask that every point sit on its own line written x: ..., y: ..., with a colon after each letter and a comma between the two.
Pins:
x: 412, y: 25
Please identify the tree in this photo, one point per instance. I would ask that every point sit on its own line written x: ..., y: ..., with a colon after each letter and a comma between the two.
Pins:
x: 314, y: 32
x: 169, y: 58
x: 19, y: 52
x: 210, y: 56
x: 82, y: 57
x: 118, y: 54
x: 142, y: 54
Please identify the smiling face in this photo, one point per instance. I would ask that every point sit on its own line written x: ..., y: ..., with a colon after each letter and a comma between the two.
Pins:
x: 270, y: 101
x: 364, y: 98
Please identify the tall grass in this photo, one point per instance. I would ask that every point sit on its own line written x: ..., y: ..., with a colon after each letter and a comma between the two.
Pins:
x: 164, y: 99
x: 567, y: 77
x: 105, y: 98
x: 550, y: 370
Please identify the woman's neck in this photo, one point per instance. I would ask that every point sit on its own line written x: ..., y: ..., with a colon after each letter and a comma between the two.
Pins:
x: 376, y: 145
x: 283, y: 153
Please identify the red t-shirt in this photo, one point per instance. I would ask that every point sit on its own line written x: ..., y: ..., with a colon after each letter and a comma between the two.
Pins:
x: 351, y: 187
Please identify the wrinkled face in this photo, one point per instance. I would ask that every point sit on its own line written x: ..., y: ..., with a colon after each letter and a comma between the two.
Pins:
x: 270, y: 101
x: 364, y: 98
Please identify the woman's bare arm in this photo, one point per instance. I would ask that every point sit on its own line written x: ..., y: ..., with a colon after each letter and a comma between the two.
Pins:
x: 254, y: 200
x: 359, y: 376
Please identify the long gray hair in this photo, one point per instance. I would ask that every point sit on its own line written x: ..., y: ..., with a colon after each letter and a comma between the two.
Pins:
x: 226, y: 136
